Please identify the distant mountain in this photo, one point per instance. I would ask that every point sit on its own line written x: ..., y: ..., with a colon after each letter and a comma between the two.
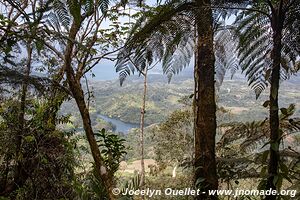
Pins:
x: 124, y: 103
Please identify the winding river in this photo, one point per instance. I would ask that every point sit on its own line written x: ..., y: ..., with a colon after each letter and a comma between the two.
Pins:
x: 121, y: 126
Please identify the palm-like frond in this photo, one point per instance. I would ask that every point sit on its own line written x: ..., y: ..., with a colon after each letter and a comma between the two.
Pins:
x: 171, y: 42
x: 13, y: 77
x: 88, y: 5
x: 168, y: 33
x: 225, y: 54
x: 255, y: 46
x: 62, y: 13
x: 103, y: 5
x: 65, y: 11
x: 251, y: 134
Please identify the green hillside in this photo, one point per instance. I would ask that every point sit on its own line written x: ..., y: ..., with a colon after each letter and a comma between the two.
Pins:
x: 124, y: 102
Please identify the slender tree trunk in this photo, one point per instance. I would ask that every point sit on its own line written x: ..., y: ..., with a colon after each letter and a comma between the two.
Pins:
x: 101, y: 169
x: 277, y: 23
x: 20, y: 175
x: 23, y: 95
x: 204, y: 102
x: 78, y: 95
x: 143, y: 110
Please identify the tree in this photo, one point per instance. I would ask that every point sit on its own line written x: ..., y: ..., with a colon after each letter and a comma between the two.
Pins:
x: 71, y: 31
x: 269, y: 50
x: 173, y: 140
x: 204, y: 101
x: 126, y: 65
x: 85, y: 45
x: 171, y: 32
x: 248, y: 136
x: 30, y: 142
x: 16, y: 70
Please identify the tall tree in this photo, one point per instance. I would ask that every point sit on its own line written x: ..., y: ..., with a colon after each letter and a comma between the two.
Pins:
x: 70, y: 30
x: 269, y: 50
x: 141, y: 63
x: 169, y: 31
x: 204, y: 100
x: 13, y: 37
x: 85, y: 43
x: 19, y: 27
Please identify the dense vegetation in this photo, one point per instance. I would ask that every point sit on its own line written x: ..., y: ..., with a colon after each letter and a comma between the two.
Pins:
x: 163, y: 98
x: 204, y: 132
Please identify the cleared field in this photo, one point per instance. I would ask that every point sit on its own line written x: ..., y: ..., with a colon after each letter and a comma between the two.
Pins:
x: 136, y: 165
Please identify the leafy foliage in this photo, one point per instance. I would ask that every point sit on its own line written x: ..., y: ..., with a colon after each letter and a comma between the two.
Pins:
x: 241, y: 157
x: 255, y: 45
x: 15, y: 78
x: 45, y: 158
x: 112, y: 148
x: 167, y: 34
x: 176, y: 134
x: 258, y: 132
x: 131, y: 184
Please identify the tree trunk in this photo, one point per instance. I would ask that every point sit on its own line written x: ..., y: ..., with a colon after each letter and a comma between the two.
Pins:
x: 20, y: 174
x: 143, y: 110
x: 275, y: 136
x: 204, y: 102
x: 78, y: 95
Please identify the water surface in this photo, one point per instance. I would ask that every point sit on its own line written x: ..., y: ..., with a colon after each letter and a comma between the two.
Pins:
x: 121, y: 126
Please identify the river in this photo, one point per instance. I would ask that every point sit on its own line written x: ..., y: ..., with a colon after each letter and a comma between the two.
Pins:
x: 121, y: 126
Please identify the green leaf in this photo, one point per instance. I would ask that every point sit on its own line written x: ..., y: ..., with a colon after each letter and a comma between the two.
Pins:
x: 275, y: 180
x: 284, y: 111
x: 29, y: 138
x: 44, y: 160
x: 275, y: 146
x: 75, y: 8
x: 263, y: 171
x: 265, y: 156
x: 39, y: 46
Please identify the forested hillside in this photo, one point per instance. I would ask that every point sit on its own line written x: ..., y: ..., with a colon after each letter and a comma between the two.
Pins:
x: 163, y: 98
x: 205, y: 102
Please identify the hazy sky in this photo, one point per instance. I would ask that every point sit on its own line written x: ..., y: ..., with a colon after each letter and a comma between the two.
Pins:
x: 105, y: 70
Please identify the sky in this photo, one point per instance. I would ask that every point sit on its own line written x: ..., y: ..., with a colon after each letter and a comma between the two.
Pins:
x: 105, y: 70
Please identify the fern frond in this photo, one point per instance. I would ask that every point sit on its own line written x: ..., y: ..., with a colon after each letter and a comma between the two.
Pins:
x: 75, y: 10
x: 171, y: 42
x: 225, y: 54
x: 13, y: 77
x: 61, y: 10
x: 88, y: 5
x: 103, y: 5
x: 251, y: 134
x: 255, y: 45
